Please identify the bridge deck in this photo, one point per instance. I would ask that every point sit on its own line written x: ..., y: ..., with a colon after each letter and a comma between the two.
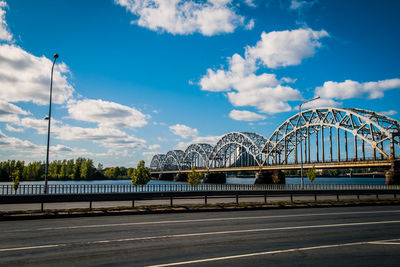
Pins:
x: 318, y: 165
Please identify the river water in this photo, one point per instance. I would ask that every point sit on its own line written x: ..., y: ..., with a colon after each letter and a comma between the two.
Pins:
x: 232, y: 180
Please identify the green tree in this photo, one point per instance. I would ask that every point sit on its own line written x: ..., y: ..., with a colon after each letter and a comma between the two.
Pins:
x: 117, y: 172
x: 63, y: 171
x: 194, y: 178
x: 8, y: 167
x: 15, y: 176
x: 87, y: 169
x: 3, y: 172
x: 20, y: 166
x: 33, y: 171
x: 311, y: 173
x: 130, y: 172
x: 110, y: 173
x: 54, y: 169
x: 140, y: 175
x: 77, y: 168
x: 123, y: 172
x: 99, y: 173
x: 70, y: 168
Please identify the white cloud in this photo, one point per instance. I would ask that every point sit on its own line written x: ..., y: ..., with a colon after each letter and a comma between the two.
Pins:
x: 106, y: 114
x: 299, y: 4
x: 148, y: 155
x: 106, y: 137
x: 250, y: 3
x: 62, y: 151
x: 155, y: 146
x: 27, y: 150
x: 288, y: 80
x: 125, y: 153
x: 322, y: 102
x: 10, y: 112
x: 16, y: 144
x: 389, y: 112
x: 25, y: 77
x: 352, y: 89
x: 249, y: 25
x: 39, y: 125
x: 269, y: 100
x: 162, y: 139
x: 183, y: 131
x: 212, y: 140
x: 8, y: 108
x: 240, y: 76
x: 182, y: 145
x: 244, y: 115
x: 264, y: 91
x: 301, y: 7
x: 208, y: 17
x: 13, y: 129
x: 5, y: 34
x: 286, y: 48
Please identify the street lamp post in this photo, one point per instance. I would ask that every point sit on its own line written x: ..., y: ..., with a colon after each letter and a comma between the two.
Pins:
x: 301, y: 146
x: 48, y: 128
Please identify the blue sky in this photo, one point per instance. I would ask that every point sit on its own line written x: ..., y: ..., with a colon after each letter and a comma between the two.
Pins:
x: 136, y: 77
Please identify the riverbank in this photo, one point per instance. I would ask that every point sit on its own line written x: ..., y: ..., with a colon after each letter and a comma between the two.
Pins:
x: 157, y: 209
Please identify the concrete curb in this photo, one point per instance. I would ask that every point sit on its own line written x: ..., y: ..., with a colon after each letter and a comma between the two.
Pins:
x: 160, y: 209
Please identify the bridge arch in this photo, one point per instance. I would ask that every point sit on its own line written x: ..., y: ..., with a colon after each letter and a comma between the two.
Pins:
x: 197, y: 155
x: 238, y: 149
x: 370, y: 127
x: 157, y: 162
x: 173, y: 160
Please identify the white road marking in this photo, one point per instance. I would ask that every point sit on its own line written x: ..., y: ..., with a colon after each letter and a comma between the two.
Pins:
x: 201, y: 220
x: 269, y: 253
x: 385, y: 243
x: 204, y: 234
x: 32, y: 247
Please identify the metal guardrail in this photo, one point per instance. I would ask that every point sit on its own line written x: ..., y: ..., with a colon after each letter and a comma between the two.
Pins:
x: 63, y: 189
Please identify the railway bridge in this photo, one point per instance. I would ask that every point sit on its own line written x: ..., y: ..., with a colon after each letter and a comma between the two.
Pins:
x: 327, y: 138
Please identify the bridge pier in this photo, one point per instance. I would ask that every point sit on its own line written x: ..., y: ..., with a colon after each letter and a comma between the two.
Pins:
x: 270, y: 177
x: 393, y: 174
x: 215, y: 178
x: 166, y: 176
x: 181, y: 177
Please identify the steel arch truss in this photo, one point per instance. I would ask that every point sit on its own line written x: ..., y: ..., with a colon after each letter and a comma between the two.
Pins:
x: 371, y: 127
x: 197, y: 155
x: 157, y: 162
x: 238, y: 149
x: 173, y: 160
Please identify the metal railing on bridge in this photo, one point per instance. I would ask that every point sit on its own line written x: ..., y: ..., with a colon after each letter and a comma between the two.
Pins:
x: 61, y: 189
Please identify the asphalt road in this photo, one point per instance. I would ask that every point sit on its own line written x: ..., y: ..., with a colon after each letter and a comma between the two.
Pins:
x: 356, y: 236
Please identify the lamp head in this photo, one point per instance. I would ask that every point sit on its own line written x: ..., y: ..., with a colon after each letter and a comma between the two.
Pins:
x: 55, y: 56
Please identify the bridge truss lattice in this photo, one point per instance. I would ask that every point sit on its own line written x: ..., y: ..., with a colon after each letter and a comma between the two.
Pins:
x: 343, y: 134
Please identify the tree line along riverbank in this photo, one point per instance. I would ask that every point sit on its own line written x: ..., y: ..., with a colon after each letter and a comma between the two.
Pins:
x: 78, y: 169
